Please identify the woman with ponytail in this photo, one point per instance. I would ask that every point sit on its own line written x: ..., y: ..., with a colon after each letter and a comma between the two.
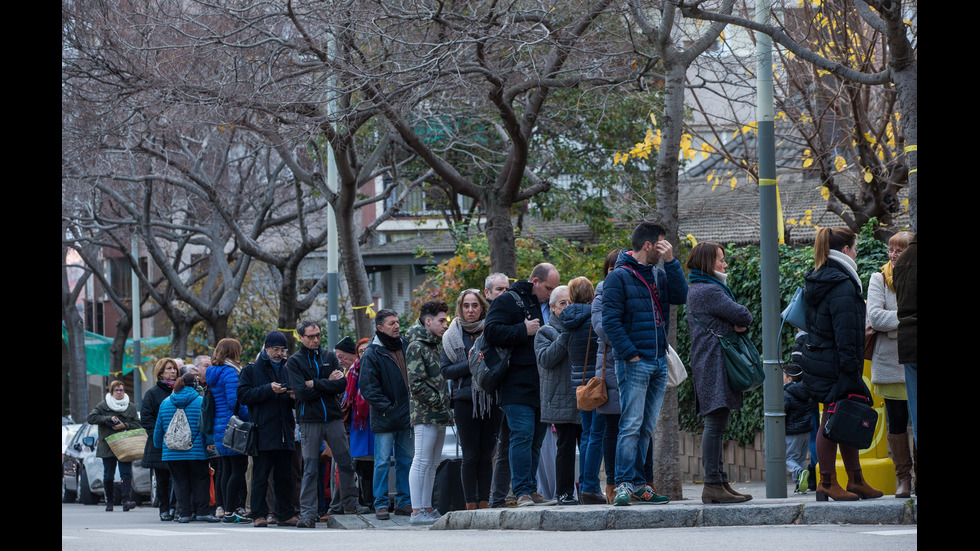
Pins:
x: 833, y: 358
x: 711, y: 308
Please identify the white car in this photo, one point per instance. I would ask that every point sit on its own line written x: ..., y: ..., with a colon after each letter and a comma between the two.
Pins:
x: 82, y: 471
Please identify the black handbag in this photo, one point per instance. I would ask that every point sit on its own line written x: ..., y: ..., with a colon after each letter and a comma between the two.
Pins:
x: 240, y: 436
x: 742, y: 360
x: 851, y: 422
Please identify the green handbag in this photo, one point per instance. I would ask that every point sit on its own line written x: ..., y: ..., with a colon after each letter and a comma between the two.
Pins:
x: 742, y: 360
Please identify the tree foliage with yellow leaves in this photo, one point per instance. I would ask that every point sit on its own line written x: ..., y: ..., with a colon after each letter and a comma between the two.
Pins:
x: 845, y: 89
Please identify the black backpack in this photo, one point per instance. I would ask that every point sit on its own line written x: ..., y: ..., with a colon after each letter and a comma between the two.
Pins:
x: 207, y: 412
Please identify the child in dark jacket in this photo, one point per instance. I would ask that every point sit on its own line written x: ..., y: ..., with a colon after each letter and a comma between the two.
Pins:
x: 800, y: 410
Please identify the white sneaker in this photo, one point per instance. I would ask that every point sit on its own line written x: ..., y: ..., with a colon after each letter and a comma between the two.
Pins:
x: 219, y: 512
x: 420, y: 518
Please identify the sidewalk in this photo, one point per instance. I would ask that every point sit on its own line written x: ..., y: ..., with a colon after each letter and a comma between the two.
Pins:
x: 689, y: 512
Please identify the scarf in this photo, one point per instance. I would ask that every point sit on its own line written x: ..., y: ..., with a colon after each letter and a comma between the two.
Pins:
x: 355, y: 407
x: 888, y: 272
x: 697, y: 276
x: 275, y: 366
x: 117, y: 405
x: 391, y: 343
x: 849, y: 265
x: 452, y: 339
x: 168, y: 383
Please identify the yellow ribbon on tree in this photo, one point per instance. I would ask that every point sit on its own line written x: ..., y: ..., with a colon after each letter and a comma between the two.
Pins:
x: 367, y: 310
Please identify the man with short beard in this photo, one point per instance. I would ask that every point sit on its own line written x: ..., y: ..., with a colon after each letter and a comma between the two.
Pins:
x: 384, y: 384
x: 263, y: 386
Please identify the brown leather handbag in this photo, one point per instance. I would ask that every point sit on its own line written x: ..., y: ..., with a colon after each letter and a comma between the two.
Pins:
x: 870, y: 338
x: 593, y: 393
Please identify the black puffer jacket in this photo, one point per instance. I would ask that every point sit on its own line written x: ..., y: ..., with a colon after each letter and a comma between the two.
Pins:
x: 799, y: 409
x: 384, y: 387
x: 833, y: 357
x: 152, y: 455
x: 272, y: 413
x: 583, y: 343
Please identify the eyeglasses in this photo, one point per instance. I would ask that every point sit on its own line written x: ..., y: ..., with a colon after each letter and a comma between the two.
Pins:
x: 895, y: 251
x: 317, y: 336
x: 563, y: 303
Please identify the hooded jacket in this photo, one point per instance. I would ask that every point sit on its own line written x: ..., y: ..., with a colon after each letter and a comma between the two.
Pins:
x: 188, y: 400
x: 628, y: 311
x: 558, y: 404
x: 321, y: 403
x: 430, y: 393
x: 223, y: 382
x: 272, y: 413
x: 605, y: 355
x: 833, y: 356
x: 583, y: 342
x: 383, y: 386
x: 504, y: 327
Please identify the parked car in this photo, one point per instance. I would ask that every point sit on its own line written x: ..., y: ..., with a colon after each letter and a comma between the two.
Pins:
x: 82, y: 471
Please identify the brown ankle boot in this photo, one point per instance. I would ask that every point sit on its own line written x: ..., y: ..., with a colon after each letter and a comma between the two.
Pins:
x: 610, y: 493
x: 471, y: 506
x: 716, y: 493
x: 899, y: 446
x: 729, y: 489
x: 859, y: 486
x: 483, y: 505
x: 829, y: 488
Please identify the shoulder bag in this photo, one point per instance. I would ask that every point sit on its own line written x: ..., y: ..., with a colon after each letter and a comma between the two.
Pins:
x: 676, y: 372
x: 742, y: 360
x: 851, y: 422
x: 592, y: 394
x: 240, y: 436
x: 795, y: 312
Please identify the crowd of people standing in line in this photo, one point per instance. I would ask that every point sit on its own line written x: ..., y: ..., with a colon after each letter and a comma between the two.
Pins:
x: 393, y: 395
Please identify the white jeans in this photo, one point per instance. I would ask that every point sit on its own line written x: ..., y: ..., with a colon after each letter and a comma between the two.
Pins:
x: 428, y: 452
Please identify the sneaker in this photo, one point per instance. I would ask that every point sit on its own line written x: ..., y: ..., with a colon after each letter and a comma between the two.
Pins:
x: 540, y: 500
x: 230, y: 518
x: 803, y: 484
x: 646, y: 496
x: 206, y: 518
x: 357, y: 510
x: 219, y: 511
x: 420, y: 518
x: 525, y: 501
x: 434, y: 514
x: 622, y: 495
x: 306, y: 523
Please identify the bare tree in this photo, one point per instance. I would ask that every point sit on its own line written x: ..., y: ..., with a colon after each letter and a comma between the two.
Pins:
x: 885, y: 19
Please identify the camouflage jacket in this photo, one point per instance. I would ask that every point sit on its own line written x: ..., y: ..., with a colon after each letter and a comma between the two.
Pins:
x: 430, y: 393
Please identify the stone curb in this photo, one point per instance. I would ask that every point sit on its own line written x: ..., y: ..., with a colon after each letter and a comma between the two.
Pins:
x: 677, y: 515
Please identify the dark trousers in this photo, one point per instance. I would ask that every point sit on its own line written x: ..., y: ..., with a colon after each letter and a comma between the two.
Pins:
x: 192, y: 486
x: 232, y: 481
x: 163, y: 488
x: 568, y: 437
x: 500, y: 485
x: 477, y: 438
x: 365, y: 481
x: 609, y: 447
x: 109, y: 475
x: 280, y: 464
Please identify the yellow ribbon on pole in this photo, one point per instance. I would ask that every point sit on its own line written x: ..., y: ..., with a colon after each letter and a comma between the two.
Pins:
x: 780, y: 230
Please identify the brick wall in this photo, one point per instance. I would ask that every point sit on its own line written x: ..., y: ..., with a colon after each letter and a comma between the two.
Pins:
x: 742, y: 463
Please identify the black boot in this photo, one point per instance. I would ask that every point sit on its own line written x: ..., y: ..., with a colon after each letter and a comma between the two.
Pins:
x: 127, y: 493
x: 109, y: 486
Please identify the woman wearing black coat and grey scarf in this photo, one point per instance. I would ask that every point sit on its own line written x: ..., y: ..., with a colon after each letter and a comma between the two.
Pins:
x: 165, y: 374
x: 833, y: 358
x: 475, y: 412
x: 711, y: 309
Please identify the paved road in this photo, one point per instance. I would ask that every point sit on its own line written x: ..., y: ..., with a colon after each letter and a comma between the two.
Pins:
x: 89, y: 528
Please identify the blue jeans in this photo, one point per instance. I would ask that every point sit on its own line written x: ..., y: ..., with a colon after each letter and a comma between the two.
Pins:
x: 641, y: 394
x: 404, y: 450
x: 911, y: 388
x: 590, y: 453
x: 526, y: 434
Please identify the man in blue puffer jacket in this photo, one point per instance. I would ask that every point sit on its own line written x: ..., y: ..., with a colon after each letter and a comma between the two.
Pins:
x: 636, y: 311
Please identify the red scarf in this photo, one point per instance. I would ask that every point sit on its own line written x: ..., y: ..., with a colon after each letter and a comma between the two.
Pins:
x: 355, y: 407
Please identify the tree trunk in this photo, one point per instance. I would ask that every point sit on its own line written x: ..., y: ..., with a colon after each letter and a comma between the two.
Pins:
x: 75, y: 327
x: 355, y: 273
x: 117, y: 349
x: 288, y: 309
x: 500, y: 236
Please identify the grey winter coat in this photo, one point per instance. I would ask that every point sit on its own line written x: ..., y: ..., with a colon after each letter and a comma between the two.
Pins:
x: 604, y: 349
x: 711, y: 306
x: 555, y: 371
